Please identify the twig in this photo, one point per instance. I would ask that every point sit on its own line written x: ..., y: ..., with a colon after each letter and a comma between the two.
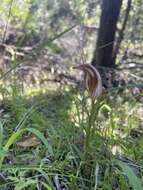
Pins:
x: 121, y: 32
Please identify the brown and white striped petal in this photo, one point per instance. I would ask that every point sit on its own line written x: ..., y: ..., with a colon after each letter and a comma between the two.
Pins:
x: 93, y: 80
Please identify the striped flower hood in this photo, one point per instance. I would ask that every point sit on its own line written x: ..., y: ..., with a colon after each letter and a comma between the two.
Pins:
x: 93, y: 80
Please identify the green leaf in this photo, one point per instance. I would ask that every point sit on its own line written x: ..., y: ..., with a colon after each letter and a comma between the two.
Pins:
x: 42, y: 138
x: 106, y: 107
x: 134, y: 181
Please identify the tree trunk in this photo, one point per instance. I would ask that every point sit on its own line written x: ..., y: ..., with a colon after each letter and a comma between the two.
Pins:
x: 103, y: 55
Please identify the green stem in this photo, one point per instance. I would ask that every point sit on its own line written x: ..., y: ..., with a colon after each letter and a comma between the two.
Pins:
x: 89, y: 127
x: 90, y: 130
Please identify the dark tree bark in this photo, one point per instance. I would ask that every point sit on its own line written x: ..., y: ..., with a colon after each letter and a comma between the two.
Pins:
x: 121, y: 32
x: 103, y: 55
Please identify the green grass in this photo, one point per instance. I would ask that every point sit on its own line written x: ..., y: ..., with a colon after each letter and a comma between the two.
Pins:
x: 79, y: 150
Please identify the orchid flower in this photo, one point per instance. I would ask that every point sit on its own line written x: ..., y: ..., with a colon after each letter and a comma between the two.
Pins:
x: 93, y: 80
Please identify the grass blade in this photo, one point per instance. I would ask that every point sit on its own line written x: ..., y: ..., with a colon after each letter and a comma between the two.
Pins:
x: 10, y: 141
x: 22, y: 184
x: 96, y: 176
x: 42, y: 138
x: 46, y: 186
x: 1, y: 135
x: 45, y: 175
x: 51, y: 39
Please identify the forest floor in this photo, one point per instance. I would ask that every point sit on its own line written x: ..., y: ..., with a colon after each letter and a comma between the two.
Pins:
x: 42, y: 101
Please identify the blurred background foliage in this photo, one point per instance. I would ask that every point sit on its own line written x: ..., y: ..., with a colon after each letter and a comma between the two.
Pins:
x: 32, y: 21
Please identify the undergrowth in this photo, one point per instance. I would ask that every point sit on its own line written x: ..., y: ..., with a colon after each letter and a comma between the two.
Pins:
x: 82, y: 145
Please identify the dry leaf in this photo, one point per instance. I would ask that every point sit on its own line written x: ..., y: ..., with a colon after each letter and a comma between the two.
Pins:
x: 93, y: 80
x: 29, y: 141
